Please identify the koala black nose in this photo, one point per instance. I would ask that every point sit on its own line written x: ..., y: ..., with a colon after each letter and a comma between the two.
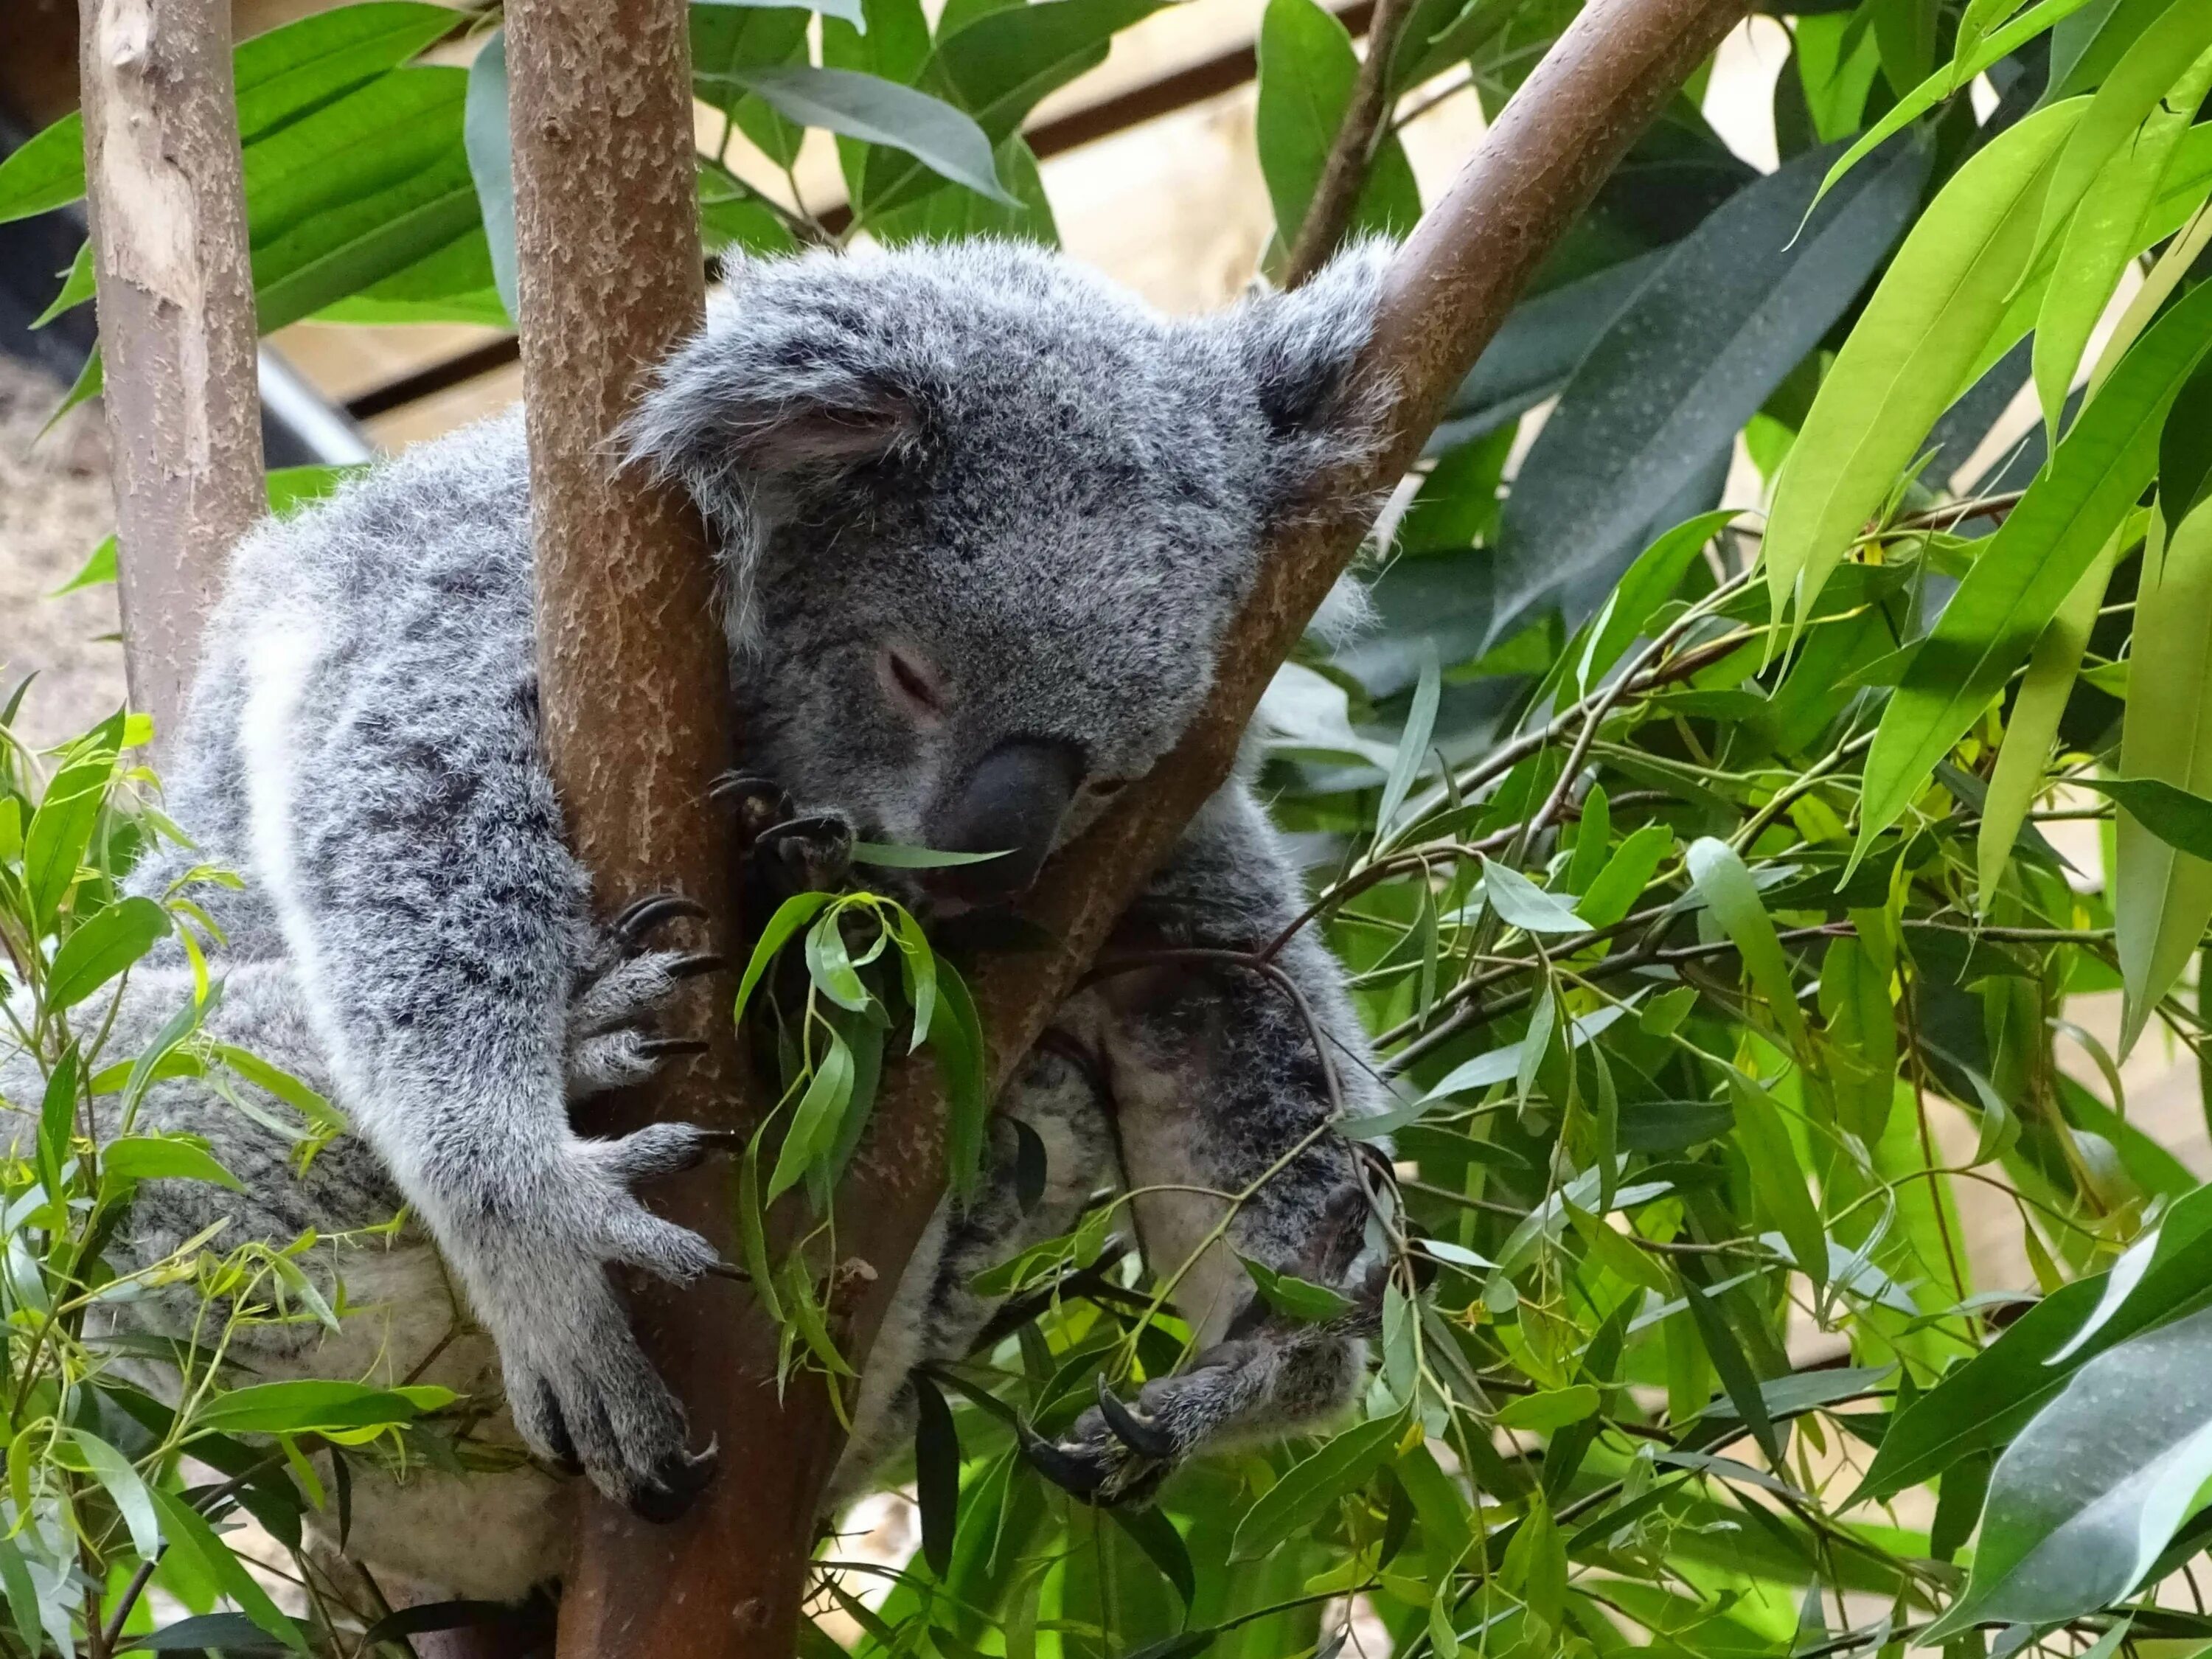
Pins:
x: 1012, y: 802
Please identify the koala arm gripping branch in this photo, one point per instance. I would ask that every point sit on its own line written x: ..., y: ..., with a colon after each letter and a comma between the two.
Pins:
x: 363, y: 744
x: 1228, y: 1078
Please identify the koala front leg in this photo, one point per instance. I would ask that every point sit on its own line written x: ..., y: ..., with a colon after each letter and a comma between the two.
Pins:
x: 1224, y: 1097
x: 404, y: 828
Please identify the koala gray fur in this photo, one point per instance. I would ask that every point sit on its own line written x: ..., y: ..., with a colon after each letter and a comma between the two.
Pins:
x: 969, y: 501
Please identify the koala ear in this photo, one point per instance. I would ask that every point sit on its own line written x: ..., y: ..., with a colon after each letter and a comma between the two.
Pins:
x: 1298, y: 349
x: 768, y: 405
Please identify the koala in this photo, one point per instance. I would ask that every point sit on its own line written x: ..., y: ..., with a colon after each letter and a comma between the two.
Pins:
x: 981, y: 520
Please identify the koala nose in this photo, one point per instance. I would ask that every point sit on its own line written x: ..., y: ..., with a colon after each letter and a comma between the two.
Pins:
x: 1011, y: 802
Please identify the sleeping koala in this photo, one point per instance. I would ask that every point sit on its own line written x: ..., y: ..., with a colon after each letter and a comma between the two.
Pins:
x: 983, y: 520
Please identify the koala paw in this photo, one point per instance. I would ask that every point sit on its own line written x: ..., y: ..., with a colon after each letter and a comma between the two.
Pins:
x: 612, y: 1040
x: 1118, y: 1454
x: 581, y: 1393
x: 813, y: 855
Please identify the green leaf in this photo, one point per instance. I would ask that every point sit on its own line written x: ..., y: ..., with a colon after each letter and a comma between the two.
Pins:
x: 952, y: 213
x: 892, y: 855
x: 309, y: 1406
x: 1536, y: 1563
x: 815, y: 1119
x: 849, y: 11
x: 936, y: 1470
x: 1732, y: 1368
x: 1521, y: 903
x: 1310, y: 1487
x: 793, y: 914
x: 491, y: 161
x: 163, y: 1158
x: 2032, y: 725
x: 124, y: 1483
x: 2162, y: 883
x: 1776, y: 1177
x: 1910, y: 354
x: 2026, y: 569
x: 1736, y: 306
x: 103, y: 947
x: 956, y: 1033
x: 1613, y: 893
x: 879, y: 112
x: 2084, y: 1500
x: 1549, y: 1408
x: 57, y: 1114
x: 1728, y: 891
x: 2184, y: 449
x: 190, y: 1536
x: 997, y: 68
x: 278, y: 74
x: 23, y: 1594
x: 359, y: 191
x: 2105, y: 228
x: 829, y: 965
x: 1153, y: 1532
x: 2154, y: 64
x: 1952, y: 79
x: 1306, y: 70
x: 1412, y: 753
x: 60, y: 831
x: 1295, y: 1298
x: 97, y: 568
x: 1646, y: 584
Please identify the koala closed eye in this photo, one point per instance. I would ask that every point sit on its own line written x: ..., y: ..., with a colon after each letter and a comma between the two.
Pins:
x: 911, y: 687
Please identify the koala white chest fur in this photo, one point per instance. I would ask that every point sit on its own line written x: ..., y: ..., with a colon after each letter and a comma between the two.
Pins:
x: 982, y: 519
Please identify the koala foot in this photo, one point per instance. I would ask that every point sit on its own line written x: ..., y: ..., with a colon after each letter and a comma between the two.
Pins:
x: 533, y: 1252
x: 612, y: 1040
x: 1117, y: 1454
x: 813, y: 855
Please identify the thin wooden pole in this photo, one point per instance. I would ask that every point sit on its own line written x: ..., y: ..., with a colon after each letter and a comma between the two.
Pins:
x: 175, y: 290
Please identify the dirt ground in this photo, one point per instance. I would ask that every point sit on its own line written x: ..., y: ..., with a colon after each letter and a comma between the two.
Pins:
x: 54, y: 509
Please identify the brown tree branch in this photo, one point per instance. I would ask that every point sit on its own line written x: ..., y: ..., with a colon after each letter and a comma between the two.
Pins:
x: 633, y: 682
x: 1344, y: 174
x: 175, y: 288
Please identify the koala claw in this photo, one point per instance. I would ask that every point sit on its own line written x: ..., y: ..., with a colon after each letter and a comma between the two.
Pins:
x: 1141, y: 1434
x: 1096, y: 1463
x: 676, y: 1485
x: 640, y: 916
x: 813, y: 855
x: 698, y: 963
x: 756, y: 804
x: 661, y: 1047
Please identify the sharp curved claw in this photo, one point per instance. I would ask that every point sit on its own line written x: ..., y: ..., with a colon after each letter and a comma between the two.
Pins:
x: 660, y: 1047
x: 640, y: 916
x: 729, y: 1271
x: 756, y: 803
x: 676, y: 1484
x: 1147, y: 1439
x: 1067, y: 1472
x: 690, y: 967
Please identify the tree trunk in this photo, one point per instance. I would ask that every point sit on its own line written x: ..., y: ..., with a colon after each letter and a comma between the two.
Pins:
x: 634, y: 682
x: 168, y: 208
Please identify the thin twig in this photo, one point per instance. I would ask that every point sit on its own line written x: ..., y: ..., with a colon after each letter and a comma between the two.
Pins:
x: 1328, y: 214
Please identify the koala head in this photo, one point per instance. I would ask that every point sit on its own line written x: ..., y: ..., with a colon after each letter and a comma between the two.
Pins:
x: 984, y: 517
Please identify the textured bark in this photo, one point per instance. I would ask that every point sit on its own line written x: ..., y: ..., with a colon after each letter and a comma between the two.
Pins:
x: 633, y: 682
x: 1344, y: 174
x: 176, y: 321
